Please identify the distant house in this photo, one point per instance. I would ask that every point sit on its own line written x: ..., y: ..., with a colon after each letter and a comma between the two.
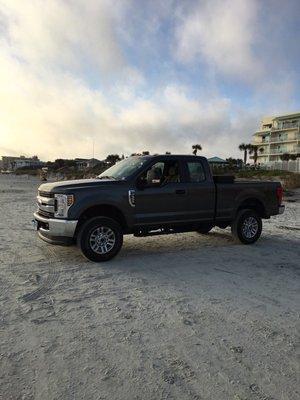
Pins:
x: 10, y: 163
x: 83, y: 163
x: 92, y: 162
x: 217, y: 162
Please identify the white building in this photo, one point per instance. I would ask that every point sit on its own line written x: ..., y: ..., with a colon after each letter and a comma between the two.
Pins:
x: 10, y: 163
x: 276, y: 136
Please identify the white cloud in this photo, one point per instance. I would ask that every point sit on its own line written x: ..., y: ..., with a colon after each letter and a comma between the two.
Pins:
x: 49, y: 110
x: 221, y: 33
x: 59, y: 116
x: 76, y: 35
x: 51, y: 51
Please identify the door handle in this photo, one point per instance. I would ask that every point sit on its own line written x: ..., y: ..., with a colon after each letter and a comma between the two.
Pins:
x: 180, y: 191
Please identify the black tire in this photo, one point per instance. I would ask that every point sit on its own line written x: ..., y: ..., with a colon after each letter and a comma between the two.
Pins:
x: 204, y: 229
x: 100, y: 239
x: 247, y: 226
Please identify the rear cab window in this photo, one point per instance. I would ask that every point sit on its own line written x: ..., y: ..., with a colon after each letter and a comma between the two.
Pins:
x: 195, y: 171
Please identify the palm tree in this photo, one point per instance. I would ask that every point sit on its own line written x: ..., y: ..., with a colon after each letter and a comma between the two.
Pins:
x: 285, y: 157
x: 244, y: 147
x: 253, y: 150
x: 196, y: 147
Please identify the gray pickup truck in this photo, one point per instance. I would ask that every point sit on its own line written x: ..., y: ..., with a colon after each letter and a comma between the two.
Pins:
x: 151, y: 195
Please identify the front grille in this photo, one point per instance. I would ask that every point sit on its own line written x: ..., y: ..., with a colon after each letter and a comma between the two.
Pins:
x: 46, y: 194
x: 45, y: 213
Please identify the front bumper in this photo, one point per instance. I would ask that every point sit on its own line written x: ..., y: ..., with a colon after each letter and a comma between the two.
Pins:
x: 55, y: 231
x: 281, y: 209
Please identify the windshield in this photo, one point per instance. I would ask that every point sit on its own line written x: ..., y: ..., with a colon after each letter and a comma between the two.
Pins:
x: 123, y: 169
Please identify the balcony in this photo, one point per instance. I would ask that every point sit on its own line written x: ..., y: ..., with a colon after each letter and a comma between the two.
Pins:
x: 288, y: 125
x: 255, y: 143
x: 262, y: 132
x: 276, y: 139
x: 279, y: 139
x: 282, y: 127
x: 279, y: 151
x: 284, y: 138
x: 282, y: 150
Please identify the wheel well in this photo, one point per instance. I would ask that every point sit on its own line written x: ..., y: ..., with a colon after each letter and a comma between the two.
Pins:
x: 253, y: 204
x: 102, y: 210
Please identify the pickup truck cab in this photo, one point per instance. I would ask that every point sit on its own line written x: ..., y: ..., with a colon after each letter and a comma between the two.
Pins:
x: 151, y: 195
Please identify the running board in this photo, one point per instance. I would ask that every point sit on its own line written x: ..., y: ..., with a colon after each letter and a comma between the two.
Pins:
x: 162, y: 231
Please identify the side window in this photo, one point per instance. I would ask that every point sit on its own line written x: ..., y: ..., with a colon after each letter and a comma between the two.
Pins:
x: 160, y: 174
x: 154, y: 174
x: 196, y: 171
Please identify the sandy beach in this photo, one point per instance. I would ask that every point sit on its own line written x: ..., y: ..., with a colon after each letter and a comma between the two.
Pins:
x: 182, y: 317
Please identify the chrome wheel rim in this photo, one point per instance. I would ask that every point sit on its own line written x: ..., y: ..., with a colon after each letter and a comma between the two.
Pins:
x: 102, y: 240
x: 250, y: 227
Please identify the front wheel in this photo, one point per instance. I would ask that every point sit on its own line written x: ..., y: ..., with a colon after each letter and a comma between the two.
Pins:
x: 247, y: 226
x: 100, y: 239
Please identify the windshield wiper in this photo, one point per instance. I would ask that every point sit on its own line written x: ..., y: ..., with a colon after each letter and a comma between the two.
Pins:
x: 107, y: 177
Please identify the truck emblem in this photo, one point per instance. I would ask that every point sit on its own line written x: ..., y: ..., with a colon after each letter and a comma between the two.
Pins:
x: 131, y: 197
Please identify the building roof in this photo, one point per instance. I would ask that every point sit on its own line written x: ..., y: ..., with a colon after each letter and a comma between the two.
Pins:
x: 81, y: 159
x: 93, y: 160
x: 217, y: 160
x: 269, y: 119
x: 86, y: 160
x: 293, y: 115
x: 20, y: 158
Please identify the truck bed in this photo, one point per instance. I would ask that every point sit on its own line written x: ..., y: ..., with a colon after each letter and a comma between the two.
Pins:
x: 230, y: 194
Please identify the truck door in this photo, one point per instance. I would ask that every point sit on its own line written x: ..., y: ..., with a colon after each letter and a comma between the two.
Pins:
x: 160, y: 195
x: 200, y: 191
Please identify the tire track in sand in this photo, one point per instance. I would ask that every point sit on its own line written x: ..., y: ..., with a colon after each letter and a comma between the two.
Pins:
x: 49, y: 282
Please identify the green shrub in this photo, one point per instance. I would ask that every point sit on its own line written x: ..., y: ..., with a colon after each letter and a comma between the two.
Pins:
x: 289, y: 180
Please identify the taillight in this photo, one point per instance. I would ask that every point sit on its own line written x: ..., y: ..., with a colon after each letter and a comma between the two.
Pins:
x: 279, y: 194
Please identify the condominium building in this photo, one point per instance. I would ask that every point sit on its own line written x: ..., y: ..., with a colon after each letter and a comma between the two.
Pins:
x: 277, y: 135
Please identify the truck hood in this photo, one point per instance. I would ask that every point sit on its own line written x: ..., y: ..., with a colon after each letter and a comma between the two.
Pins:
x: 62, y: 186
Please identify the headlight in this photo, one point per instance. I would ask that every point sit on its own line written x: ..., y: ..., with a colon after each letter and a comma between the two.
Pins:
x: 62, y: 204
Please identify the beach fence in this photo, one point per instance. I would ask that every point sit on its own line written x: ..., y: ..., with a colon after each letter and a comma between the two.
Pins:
x: 291, y: 165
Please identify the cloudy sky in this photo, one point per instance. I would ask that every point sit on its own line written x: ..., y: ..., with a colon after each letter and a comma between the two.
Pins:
x: 132, y: 75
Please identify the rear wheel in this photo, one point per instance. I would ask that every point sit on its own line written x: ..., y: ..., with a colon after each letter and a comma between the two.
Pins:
x: 247, y: 226
x: 100, y: 239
